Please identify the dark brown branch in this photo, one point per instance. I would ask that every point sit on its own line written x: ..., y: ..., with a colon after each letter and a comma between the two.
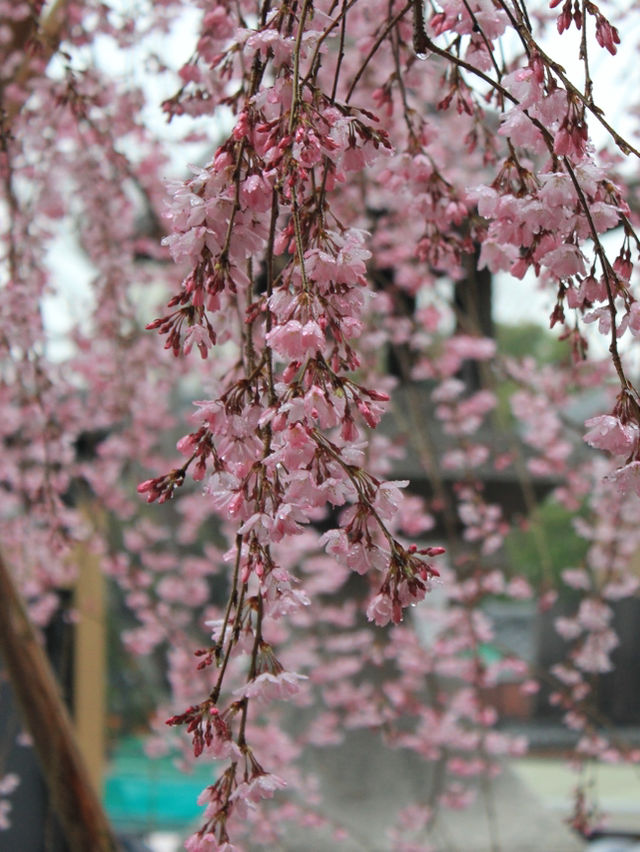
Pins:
x: 71, y: 792
x: 419, y: 33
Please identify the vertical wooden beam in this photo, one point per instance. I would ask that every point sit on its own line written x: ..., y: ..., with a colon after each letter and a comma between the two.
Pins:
x: 89, y: 663
x: 71, y: 790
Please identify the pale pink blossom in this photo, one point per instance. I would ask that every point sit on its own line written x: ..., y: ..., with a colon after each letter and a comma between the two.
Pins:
x: 380, y: 610
x: 519, y: 588
x: 595, y: 652
x: 609, y: 433
x: 318, y: 407
x: 627, y: 478
x: 269, y: 687
x: 634, y: 319
x: 594, y: 615
x: 5, y: 810
x: 8, y: 783
x: 568, y: 628
x: 577, y: 578
x: 256, y: 193
x: 203, y: 843
x: 260, y: 787
x: 625, y: 587
x: 295, y: 340
x: 564, y: 261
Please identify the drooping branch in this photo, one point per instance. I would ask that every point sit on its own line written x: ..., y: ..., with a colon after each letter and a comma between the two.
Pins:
x: 47, y: 34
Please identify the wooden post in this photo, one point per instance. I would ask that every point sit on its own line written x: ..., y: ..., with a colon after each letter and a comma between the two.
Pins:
x: 71, y: 791
x: 89, y: 663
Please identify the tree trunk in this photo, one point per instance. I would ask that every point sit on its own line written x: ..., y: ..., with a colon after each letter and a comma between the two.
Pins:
x: 71, y: 792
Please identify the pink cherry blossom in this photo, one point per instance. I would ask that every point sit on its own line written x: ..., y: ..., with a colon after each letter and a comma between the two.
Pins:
x: 295, y: 340
x: 267, y: 686
x: 262, y: 786
x: 331, y: 256
x: 627, y: 478
x: 380, y: 610
x: 609, y: 433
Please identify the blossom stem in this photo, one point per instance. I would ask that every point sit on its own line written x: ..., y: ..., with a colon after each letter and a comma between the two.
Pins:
x: 606, y: 271
x: 233, y: 598
x: 253, y: 667
x: 295, y: 100
x: 374, y: 48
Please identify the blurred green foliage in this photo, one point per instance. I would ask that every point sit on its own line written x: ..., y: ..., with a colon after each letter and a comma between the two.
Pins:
x: 545, y: 545
x: 532, y: 340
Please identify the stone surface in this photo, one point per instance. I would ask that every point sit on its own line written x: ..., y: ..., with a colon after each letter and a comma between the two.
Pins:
x: 364, y: 784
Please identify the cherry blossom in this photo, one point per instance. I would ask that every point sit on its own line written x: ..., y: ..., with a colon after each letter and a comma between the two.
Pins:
x: 312, y: 263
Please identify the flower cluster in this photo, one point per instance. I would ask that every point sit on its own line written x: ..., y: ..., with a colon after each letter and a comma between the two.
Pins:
x: 375, y: 164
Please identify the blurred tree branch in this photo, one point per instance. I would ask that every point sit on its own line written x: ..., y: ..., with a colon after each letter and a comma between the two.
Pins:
x: 42, y: 34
